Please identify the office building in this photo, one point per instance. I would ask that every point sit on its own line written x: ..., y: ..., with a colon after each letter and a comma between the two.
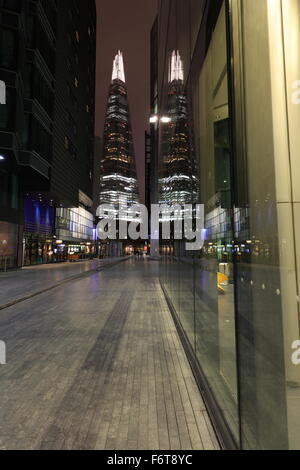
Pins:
x: 47, y: 127
x: 118, y: 178
x: 236, y: 301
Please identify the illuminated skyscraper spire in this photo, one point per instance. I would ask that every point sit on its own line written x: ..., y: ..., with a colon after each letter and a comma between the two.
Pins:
x: 118, y: 180
x: 176, y: 68
x: 118, y: 68
x: 178, y: 181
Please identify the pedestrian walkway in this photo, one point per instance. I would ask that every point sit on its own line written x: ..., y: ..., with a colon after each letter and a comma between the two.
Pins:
x: 98, y: 364
x: 15, y: 285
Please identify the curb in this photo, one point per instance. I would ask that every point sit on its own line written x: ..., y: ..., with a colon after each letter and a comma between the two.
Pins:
x: 61, y: 283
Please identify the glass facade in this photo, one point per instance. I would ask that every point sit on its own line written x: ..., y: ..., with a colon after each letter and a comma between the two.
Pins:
x: 237, y: 299
x: 38, y: 232
x: 75, y: 224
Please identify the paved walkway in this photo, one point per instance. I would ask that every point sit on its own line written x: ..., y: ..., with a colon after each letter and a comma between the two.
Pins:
x: 97, y: 364
x: 28, y: 280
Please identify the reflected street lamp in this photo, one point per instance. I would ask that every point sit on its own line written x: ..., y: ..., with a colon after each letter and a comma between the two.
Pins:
x: 156, y: 118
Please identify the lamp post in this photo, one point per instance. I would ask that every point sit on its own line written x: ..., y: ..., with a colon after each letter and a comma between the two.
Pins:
x: 4, y: 244
x: 2, y: 92
x: 157, y: 121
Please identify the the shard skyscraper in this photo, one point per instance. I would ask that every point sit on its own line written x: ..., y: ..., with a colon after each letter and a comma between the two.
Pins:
x: 118, y: 182
x: 178, y: 181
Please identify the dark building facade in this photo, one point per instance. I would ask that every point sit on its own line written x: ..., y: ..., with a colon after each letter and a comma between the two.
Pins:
x: 236, y: 301
x: 27, y: 67
x: 97, y: 171
x: 46, y: 144
x: 118, y: 181
x: 71, y: 184
x: 74, y: 109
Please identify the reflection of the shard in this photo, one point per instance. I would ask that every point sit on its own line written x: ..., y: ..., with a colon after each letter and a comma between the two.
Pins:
x: 178, y: 182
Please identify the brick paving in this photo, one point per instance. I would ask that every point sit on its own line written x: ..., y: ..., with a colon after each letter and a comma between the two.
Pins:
x: 98, y: 364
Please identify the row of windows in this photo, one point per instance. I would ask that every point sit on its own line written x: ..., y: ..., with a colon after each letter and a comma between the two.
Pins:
x: 70, y: 147
x: 50, y: 13
x: 9, y: 48
x: 8, y: 189
x: 38, y: 39
x: 7, y: 111
x: 40, y: 140
x: 45, y: 48
x: 10, y: 5
x: 74, y: 100
x: 37, y: 88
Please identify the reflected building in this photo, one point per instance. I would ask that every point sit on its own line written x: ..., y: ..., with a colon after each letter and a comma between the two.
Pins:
x: 236, y: 300
x: 178, y: 182
x: 118, y: 180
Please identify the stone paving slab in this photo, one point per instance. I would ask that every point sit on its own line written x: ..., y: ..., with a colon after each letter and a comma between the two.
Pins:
x: 98, y: 364
x: 19, y: 285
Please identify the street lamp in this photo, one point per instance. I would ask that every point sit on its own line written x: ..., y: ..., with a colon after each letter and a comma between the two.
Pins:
x: 163, y: 119
x: 2, y: 92
x: 153, y: 119
x: 4, y: 244
x: 2, y: 158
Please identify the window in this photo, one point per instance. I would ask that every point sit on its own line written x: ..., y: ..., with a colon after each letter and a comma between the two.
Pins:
x: 69, y: 64
x: 66, y: 141
x: 41, y: 139
x: 40, y: 90
x: 72, y: 124
x: 3, y: 188
x: 45, y: 48
x: 207, y: 317
x: 8, y: 111
x: 14, y: 192
x: 70, y: 147
x: 10, y: 4
x: 8, y: 50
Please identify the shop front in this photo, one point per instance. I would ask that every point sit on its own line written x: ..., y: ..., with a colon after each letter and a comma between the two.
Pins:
x: 8, y: 245
x: 38, y: 235
x: 75, y: 234
x: 37, y: 250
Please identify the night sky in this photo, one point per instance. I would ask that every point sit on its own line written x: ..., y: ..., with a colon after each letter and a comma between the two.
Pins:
x: 126, y: 25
